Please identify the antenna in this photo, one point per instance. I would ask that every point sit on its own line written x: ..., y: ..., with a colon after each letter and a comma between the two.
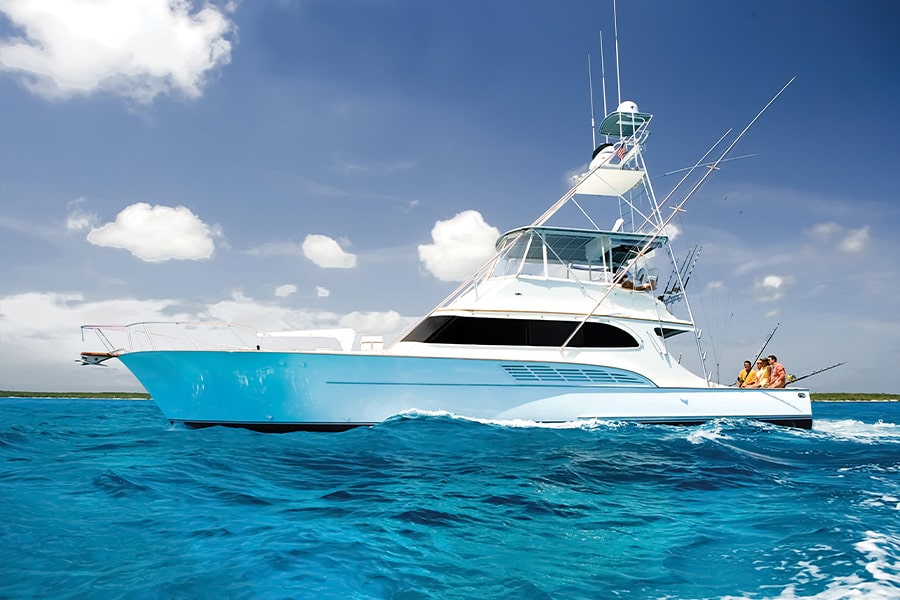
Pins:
x: 616, y: 31
x: 603, y: 80
x: 591, y: 92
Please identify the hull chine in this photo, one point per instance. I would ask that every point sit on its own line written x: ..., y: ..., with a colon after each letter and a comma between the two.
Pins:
x: 271, y: 427
x: 790, y: 421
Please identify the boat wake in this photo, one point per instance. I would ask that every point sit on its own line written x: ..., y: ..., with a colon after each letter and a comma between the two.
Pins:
x: 585, y: 424
x: 858, y: 431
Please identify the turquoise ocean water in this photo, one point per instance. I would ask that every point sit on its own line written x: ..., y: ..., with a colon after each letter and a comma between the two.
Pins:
x: 104, y: 499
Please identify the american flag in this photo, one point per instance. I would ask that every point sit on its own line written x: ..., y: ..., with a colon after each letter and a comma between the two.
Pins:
x: 621, y: 152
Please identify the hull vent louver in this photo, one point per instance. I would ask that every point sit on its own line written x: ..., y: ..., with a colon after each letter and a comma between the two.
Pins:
x: 568, y: 374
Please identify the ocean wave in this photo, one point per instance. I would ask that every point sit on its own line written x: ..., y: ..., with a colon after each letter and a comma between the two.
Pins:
x: 879, y: 553
x: 509, y: 423
x: 858, y: 431
x: 436, y: 505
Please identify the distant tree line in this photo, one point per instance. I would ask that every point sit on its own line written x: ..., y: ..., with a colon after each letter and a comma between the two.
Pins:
x: 96, y: 395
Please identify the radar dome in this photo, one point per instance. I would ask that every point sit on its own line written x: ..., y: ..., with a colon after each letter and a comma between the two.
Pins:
x: 627, y: 106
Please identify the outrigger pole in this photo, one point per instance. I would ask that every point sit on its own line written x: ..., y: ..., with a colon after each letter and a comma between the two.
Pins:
x: 816, y: 372
x: 765, y: 343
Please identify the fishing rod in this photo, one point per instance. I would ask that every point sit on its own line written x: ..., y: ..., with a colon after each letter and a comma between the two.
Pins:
x: 766, y: 343
x: 796, y: 379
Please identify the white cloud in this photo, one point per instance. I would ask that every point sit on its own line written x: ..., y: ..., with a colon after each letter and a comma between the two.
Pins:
x: 374, y: 323
x: 78, y: 219
x: 825, y: 230
x: 138, y: 49
x: 856, y: 240
x: 45, y: 327
x: 283, y: 291
x: 378, y: 168
x: 277, y: 249
x: 157, y: 233
x: 772, y: 281
x: 327, y: 253
x: 671, y: 230
x: 245, y: 310
x: 322, y: 292
x: 772, y: 287
x: 460, y: 246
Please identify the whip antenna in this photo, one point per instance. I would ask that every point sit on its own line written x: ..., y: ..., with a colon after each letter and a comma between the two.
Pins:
x: 603, y: 80
x: 616, y: 32
x: 591, y: 92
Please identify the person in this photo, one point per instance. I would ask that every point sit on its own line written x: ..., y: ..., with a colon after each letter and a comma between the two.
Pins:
x: 778, y: 378
x: 758, y: 377
x: 744, y: 372
x: 647, y: 286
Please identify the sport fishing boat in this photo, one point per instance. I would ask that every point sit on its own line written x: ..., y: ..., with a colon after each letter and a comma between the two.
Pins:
x: 565, y: 323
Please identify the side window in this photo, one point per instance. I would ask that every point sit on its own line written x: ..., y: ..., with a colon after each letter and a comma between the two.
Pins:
x: 518, y: 332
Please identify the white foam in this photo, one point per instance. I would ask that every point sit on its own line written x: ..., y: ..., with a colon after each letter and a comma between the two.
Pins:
x: 883, y: 553
x: 515, y: 423
x: 881, y: 556
x: 707, y: 433
x: 858, y: 431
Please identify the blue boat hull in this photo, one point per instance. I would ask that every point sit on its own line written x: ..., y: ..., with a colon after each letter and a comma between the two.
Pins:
x: 283, y: 391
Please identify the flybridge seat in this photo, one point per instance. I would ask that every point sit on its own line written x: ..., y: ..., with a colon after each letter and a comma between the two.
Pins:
x: 541, y: 250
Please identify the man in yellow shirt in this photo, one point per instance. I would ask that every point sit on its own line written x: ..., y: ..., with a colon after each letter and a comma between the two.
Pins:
x: 744, y: 372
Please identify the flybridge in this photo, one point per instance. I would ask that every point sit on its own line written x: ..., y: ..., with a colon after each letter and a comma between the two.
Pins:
x: 578, y: 248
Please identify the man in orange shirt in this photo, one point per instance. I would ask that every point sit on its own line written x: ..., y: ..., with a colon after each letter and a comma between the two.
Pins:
x: 779, y: 377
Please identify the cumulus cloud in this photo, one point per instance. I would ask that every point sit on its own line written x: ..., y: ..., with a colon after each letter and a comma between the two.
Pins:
x: 138, y: 49
x: 157, y: 233
x: 772, y: 287
x: 374, y: 323
x: 327, y: 253
x: 460, y: 246
x: 322, y: 292
x: 283, y: 291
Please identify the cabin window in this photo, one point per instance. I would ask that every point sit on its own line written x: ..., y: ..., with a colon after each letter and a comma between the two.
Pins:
x: 487, y: 331
x: 666, y: 333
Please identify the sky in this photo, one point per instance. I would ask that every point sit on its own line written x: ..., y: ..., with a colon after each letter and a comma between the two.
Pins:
x: 289, y: 164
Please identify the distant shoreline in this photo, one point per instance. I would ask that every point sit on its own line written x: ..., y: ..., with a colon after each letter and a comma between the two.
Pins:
x: 848, y: 397
x: 816, y: 397
x: 77, y: 395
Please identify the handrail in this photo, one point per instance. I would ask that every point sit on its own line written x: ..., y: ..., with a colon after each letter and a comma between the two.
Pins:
x: 209, y: 335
